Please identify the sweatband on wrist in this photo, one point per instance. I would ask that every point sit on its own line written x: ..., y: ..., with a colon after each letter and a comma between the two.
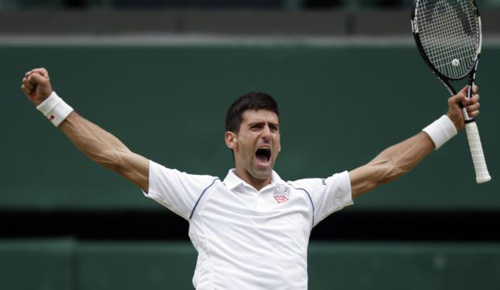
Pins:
x: 55, y: 109
x: 440, y: 131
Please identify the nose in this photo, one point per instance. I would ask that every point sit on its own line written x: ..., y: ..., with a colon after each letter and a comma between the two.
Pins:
x: 266, y: 133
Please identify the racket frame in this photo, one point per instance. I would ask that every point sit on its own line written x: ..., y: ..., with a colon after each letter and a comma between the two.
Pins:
x: 472, y: 132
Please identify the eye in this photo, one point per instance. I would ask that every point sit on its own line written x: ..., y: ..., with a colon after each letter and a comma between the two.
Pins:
x: 273, y: 128
x: 256, y: 127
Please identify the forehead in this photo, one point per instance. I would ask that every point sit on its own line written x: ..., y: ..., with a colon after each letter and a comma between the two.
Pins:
x: 253, y: 116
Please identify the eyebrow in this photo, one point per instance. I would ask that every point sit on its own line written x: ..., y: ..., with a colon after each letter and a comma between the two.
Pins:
x: 277, y: 125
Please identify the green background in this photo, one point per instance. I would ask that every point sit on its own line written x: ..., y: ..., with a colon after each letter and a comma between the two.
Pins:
x: 341, y: 104
x: 66, y: 264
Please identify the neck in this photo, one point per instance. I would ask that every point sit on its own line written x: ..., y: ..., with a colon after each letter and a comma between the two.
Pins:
x: 256, y: 183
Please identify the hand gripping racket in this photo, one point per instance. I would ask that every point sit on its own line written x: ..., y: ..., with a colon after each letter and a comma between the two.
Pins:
x: 448, y: 36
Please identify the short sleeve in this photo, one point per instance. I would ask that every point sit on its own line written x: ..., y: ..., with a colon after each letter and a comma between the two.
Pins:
x: 327, y: 195
x: 177, y: 191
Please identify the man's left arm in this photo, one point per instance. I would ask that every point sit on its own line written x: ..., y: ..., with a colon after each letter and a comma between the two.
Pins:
x: 401, y: 158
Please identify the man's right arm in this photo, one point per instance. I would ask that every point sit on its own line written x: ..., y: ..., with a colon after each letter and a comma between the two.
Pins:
x: 107, y: 150
x: 97, y: 144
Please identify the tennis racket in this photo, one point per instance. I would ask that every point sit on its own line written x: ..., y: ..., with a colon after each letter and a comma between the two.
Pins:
x: 448, y: 36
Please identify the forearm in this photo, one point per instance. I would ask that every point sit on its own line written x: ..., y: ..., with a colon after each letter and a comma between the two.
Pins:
x: 391, y: 163
x: 97, y: 144
x: 401, y: 158
x: 105, y: 149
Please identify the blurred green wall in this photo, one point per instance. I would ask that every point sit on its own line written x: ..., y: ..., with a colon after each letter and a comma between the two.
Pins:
x: 70, y: 265
x: 341, y: 103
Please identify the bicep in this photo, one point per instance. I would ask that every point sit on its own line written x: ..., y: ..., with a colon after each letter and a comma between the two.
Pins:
x: 366, y: 178
x: 135, y: 168
x: 107, y: 150
x: 390, y: 164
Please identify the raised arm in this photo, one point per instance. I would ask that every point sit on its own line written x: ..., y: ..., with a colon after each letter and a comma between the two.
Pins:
x: 401, y: 158
x: 97, y: 144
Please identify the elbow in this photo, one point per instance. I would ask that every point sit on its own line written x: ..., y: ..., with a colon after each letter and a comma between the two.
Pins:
x: 110, y: 159
x: 118, y: 162
x: 378, y: 172
x: 390, y: 171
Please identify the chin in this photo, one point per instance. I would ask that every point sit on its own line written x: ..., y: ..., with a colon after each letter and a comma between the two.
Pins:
x: 262, y: 174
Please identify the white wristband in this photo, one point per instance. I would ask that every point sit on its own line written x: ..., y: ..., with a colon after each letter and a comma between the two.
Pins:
x: 440, y: 131
x: 55, y: 109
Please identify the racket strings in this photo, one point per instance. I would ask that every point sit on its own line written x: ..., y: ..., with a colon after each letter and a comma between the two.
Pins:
x: 449, y: 33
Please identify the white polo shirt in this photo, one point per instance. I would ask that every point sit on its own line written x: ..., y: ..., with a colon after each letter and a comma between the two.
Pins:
x: 249, y: 239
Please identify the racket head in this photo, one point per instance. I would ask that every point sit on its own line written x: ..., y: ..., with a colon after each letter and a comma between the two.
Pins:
x: 448, y: 36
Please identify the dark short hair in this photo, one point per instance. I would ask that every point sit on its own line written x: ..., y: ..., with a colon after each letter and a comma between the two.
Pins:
x: 249, y: 101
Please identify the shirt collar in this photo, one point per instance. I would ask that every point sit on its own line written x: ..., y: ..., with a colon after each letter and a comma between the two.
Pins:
x: 232, y: 180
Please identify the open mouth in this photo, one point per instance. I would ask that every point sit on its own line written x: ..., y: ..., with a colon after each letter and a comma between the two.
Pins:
x: 263, y: 155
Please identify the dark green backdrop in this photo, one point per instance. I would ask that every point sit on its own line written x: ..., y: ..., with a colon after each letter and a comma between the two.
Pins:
x: 68, y: 265
x: 341, y: 104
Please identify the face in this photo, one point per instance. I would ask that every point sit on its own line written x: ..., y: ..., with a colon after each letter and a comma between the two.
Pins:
x: 255, y: 146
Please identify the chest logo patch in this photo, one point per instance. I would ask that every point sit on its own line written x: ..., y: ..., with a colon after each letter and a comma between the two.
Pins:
x: 281, y: 194
x: 281, y: 198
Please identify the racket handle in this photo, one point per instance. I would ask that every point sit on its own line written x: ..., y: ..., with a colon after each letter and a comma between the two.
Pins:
x: 476, y: 150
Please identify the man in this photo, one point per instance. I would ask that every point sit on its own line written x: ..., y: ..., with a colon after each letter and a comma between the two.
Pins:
x: 251, y: 230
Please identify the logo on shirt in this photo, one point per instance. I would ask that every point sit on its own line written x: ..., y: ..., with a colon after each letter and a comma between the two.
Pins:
x: 281, y: 198
x: 281, y: 194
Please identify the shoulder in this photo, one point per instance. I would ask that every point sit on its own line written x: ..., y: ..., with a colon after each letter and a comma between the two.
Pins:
x: 336, y: 180
x: 162, y: 171
x: 172, y: 180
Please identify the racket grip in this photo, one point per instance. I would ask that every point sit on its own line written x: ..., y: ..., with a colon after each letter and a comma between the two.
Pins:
x: 476, y: 150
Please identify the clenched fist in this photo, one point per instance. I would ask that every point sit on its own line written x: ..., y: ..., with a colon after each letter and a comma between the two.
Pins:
x: 36, y: 85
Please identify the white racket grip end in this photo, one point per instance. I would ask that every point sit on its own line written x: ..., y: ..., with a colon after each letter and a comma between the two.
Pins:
x: 476, y: 150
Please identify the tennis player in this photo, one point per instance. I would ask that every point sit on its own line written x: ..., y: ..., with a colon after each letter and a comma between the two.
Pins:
x: 251, y: 229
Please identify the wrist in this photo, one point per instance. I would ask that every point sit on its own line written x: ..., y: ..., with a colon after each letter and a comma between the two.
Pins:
x: 441, y: 131
x: 38, y: 99
x: 55, y: 109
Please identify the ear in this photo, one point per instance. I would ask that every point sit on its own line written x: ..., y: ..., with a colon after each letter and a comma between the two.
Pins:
x: 231, y: 140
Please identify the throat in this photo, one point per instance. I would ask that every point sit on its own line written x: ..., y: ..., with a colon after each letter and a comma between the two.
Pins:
x: 255, y: 182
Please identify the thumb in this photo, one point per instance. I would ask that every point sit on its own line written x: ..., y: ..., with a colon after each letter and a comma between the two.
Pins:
x: 460, y: 99
x: 463, y: 91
